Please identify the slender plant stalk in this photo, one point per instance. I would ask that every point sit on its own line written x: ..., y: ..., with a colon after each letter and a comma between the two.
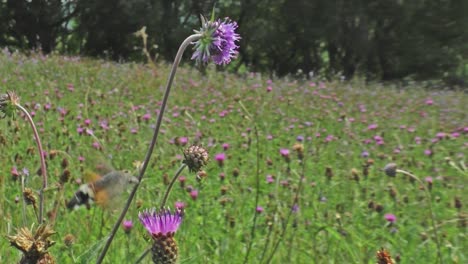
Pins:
x: 257, y: 198
x: 143, y: 256
x: 177, y: 59
x: 428, y: 196
x: 285, y: 226
x: 24, y: 200
x: 43, y: 164
x: 169, y: 188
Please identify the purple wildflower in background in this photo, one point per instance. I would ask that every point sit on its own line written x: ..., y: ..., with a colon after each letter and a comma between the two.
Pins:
x: 218, y: 42
x: 259, y: 209
x: 220, y: 158
x: 284, y: 152
x: 390, y: 218
x: 127, y: 226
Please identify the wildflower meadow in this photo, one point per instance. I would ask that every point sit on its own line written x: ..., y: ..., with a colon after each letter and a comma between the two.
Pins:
x: 267, y: 170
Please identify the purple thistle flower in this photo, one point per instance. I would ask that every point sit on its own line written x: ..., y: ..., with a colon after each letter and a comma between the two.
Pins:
x: 218, y: 42
x: 160, y: 222
x: 127, y: 226
x: 259, y: 209
x: 284, y: 152
x: 390, y: 218
x: 220, y: 158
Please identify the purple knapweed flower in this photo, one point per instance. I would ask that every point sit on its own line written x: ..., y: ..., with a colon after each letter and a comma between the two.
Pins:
x: 365, y: 154
x: 259, y: 209
x: 162, y: 222
x: 194, y: 194
x: 372, y: 127
x: 162, y: 225
x: 284, y: 152
x: 270, y: 178
x: 127, y: 226
x: 220, y: 158
x: 225, y: 146
x: 218, y: 41
x: 390, y: 218
x: 179, y: 205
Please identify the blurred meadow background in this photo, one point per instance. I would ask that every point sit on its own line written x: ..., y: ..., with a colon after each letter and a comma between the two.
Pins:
x: 295, y: 172
x: 298, y: 131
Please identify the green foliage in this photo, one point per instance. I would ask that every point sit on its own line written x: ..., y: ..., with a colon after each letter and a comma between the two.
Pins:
x: 338, y: 220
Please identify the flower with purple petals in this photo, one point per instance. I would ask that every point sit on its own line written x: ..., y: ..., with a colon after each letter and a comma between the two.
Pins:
x: 127, y: 226
x: 284, y: 152
x: 390, y: 218
x: 159, y: 223
x: 162, y: 225
x: 218, y: 41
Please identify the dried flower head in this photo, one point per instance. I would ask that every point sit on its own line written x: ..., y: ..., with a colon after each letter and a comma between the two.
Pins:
x: 162, y: 225
x: 29, y: 196
x: 8, y: 104
x: 196, y: 157
x: 69, y: 240
x: 34, y: 246
x: 218, y: 41
x: 383, y: 257
x: 390, y: 169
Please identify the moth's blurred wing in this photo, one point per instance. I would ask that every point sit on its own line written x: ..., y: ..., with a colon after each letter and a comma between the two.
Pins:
x: 91, y: 176
x: 109, y: 190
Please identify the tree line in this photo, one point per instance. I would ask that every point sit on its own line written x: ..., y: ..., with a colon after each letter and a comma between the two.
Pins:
x: 380, y: 39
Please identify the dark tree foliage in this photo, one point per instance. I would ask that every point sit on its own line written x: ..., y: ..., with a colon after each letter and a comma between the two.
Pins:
x: 380, y: 39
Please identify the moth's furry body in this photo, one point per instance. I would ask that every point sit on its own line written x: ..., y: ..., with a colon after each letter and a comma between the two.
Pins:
x: 106, y: 191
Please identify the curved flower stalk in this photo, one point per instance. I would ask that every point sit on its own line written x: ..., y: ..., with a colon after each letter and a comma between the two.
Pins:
x: 215, y: 41
x: 9, y: 102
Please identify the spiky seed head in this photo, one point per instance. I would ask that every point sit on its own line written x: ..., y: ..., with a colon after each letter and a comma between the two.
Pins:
x: 383, y: 257
x: 34, y: 246
x: 390, y: 169
x: 195, y: 157
x: 69, y: 240
x: 29, y: 196
x: 8, y: 102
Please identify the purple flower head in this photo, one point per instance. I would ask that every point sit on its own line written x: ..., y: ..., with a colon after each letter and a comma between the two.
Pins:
x: 226, y: 146
x: 270, y: 178
x: 284, y: 152
x: 160, y: 222
x: 220, y: 157
x: 179, y: 205
x: 259, y: 209
x: 127, y: 226
x: 194, y: 194
x: 218, y: 41
x: 390, y: 218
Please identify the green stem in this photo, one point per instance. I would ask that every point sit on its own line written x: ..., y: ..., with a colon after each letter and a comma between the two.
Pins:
x: 43, y: 164
x: 169, y: 188
x: 428, y: 196
x: 177, y: 60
